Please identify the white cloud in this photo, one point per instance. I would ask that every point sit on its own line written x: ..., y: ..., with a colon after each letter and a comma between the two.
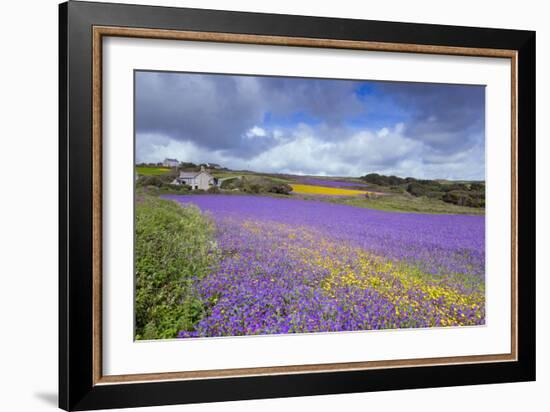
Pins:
x: 256, y: 132
x: 303, y: 150
x: 383, y: 132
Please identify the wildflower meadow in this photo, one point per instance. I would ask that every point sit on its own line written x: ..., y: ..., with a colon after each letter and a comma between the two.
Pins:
x: 287, y: 265
x: 289, y: 204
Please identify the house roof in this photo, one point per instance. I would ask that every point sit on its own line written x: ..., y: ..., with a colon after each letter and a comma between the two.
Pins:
x: 189, y: 174
x: 170, y: 160
x: 184, y: 175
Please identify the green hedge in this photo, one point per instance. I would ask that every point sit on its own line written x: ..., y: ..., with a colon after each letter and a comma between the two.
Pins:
x: 464, y: 198
x: 257, y: 184
x: 174, y: 249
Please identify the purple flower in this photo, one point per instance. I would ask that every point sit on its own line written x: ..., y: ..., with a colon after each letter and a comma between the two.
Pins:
x: 291, y: 265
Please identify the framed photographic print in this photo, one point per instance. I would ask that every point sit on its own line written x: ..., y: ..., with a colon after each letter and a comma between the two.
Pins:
x: 256, y: 205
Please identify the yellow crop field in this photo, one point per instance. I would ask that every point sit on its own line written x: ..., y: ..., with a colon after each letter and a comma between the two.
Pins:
x: 152, y: 171
x: 327, y: 191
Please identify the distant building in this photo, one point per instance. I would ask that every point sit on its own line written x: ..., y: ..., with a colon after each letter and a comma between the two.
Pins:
x: 170, y: 163
x: 213, y: 166
x: 197, y: 180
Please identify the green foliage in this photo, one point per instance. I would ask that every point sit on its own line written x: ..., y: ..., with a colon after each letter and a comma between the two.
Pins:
x: 477, y: 187
x: 458, y: 193
x: 164, y: 183
x: 382, y: 180
x: 279, y: 188
x: 465, y: 198
x: 150, y: 180
x: 249, y: 187
x: 416, y: 189
x: 174, y: 249
x: 404, y: 203
x: 179, y: 189
x: 258, y: 184
x: 188, y: 167
x: 232, y: 183
x: 430, y: 189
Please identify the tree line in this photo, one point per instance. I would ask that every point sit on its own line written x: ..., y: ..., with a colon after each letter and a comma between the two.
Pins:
x: 470, y: 194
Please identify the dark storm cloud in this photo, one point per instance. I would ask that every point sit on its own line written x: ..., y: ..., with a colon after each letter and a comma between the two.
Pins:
x: 212, y: 111
x: 329, y: 101
x: 216, y: 111
x: 445, y: 117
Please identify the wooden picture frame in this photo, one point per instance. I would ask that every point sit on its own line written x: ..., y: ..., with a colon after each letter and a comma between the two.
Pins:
x: 82, y: 385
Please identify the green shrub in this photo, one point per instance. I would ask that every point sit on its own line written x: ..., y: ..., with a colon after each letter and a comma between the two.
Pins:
x: 151, y: 180
x: 251, y: 188
x: 279, y: 188
x: 233, y: 183
x: 427, y: 188
x: 382, y: 180
x: 417, y: 189
x: 257, y: 184
x: 376, y: 179
x: 179, y: 188
x: 454, y: 186
x: 477, y: 187
x: 147, y: 190
x: 188, y: 167
x: 471, y: 194
x: 174, y: 249
x: 457, y: 197
x: 163, y: 182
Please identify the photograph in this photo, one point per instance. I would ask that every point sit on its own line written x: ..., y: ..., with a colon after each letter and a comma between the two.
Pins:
x: 271, y: 205
x: 286, y: 204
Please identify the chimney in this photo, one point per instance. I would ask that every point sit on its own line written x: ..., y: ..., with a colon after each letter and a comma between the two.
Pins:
x: 202, y: 168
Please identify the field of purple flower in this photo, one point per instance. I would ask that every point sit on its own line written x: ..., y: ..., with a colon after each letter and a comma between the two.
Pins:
x: 290, y: 265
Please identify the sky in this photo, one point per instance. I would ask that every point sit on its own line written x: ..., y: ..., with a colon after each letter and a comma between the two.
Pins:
x: 324, y: 127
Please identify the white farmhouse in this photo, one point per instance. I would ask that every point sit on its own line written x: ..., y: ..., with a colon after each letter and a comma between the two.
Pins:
x: 170, y: 162
x: 197, y: 180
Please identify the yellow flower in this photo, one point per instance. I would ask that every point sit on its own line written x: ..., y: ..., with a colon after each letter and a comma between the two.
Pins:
x: 320, y: 190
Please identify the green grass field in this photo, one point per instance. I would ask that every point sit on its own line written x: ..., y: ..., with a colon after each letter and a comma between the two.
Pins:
x: 224, y: 174
x: 406, y: 203
x: 152, y: 171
